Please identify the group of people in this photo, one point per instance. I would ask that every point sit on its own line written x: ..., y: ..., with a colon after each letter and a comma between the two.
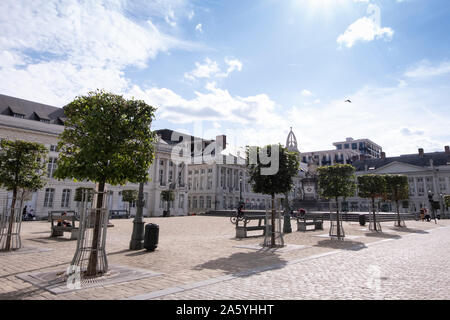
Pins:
x: 424, y: 215
x: 28, y: 215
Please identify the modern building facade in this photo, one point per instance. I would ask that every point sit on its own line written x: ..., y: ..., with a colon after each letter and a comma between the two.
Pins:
x: 365, y: 147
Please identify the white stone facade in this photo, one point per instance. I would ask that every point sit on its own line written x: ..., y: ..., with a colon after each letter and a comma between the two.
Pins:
x: 58, y: 195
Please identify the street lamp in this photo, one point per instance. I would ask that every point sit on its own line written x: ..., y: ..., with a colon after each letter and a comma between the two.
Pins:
x: 240, y: 189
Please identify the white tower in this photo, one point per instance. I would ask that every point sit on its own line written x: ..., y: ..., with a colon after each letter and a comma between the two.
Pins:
x: 291, y: 142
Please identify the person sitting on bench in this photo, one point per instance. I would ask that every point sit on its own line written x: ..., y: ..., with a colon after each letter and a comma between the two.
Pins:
x: 64, y: 222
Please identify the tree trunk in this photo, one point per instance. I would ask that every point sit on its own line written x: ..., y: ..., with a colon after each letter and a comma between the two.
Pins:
x: 338, y: 229
x: 93, y: 258
x: 374, y: 215
x: 273, y: 222
x: 398, y: 213
x: 11, y: 221
x: 287, y: 217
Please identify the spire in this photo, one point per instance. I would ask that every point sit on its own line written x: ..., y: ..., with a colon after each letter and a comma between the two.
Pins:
x: 291, y: 142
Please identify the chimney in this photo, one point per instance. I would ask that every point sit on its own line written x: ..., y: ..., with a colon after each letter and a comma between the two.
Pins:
x: 421, y: 152
x: 447, y: 149
x: 221, y: 142
x: 383, y: 155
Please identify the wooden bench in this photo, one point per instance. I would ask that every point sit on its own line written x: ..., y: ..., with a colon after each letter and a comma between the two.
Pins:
x: 60, y: 212
x: 119, y: 214
x: 241, y: 230
x: 306, y: 220
x: 58, y: 230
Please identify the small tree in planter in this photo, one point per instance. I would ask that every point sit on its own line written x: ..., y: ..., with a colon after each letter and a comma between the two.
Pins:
x: 334, y: 182
x: 266, y: 179
x: 129, y: 196
x: 447, y: 201
x: 397, y: 189
x: 167, y: 196
x: 22, y: 169
x: 107, y: 139
x: 372, y: 186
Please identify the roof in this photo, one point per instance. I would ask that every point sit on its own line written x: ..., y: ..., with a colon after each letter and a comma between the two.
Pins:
x: 439, y: 159
x: 30, y: 110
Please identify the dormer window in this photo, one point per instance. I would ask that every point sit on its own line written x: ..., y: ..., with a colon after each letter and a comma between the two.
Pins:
x: 18, y: 115
x: 44, y: 120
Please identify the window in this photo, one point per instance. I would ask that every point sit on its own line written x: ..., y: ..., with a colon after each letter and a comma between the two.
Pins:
x: 170, y: 164
x: 181, y: 201
x: 208, y: 202
x: 209, y: 185
x: 170, y: 176
x: 203, y: 171
x: 44, y: 121
x: 65, y: 199
x: 161, y: 162
x: 339, y: 147
x: 20, y: 116
x: 48, y: 199
x: 209, y: 170
x: 190, y: 183
x: 346, y: 146
x: 51, y: 167
x: 194, y: 200
x: 202, y: 203
x: 354, y: 146
x: 53, y: 148
x: 161, y: 177
x: 202, y: 182
x: 190, y: 172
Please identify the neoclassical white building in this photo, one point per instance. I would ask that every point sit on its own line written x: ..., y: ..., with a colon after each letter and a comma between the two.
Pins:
x: 426, y: 172
x: 30, y: 121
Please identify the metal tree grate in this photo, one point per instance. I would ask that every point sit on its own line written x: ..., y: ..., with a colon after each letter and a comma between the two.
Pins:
x: 10, y: 223
x: 87, y: 246
x: 277, y: 231
x: 334, y: 229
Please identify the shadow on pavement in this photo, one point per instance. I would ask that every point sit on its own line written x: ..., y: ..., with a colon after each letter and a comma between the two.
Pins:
x: 410, y: 230
x: 243, y: 264
x: 342, y: 245
x: 21, y: 293
x: 383, y: 235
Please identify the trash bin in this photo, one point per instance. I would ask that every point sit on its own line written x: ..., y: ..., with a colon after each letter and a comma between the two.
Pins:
x: 151, y: 236
x: 362, y: 220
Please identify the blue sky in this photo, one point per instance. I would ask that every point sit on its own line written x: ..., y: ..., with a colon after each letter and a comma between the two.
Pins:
x: 248, y: 69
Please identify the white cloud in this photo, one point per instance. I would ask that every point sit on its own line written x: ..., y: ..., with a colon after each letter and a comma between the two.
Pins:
x: 425, y: 70
x: 365, y: 29
x: 199, y: 28
x: 306, y: 93
x: 53, y: 51
x: 210, y: 69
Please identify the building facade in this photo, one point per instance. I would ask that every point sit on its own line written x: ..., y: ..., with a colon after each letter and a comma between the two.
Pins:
x: 35, y: 122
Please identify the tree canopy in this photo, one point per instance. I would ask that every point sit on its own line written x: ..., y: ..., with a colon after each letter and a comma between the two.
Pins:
x: 106, y: 139
x: 336, y: 181
x: 22, y: 165
x: 281, y: 182
x: 167, y: 195
x: 129, y: 195
x: 371, y: 186
x: 397, y: 187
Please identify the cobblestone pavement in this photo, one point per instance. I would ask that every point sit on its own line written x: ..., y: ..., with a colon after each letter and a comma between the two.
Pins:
x: 200, y: 258
x: 415, y: 267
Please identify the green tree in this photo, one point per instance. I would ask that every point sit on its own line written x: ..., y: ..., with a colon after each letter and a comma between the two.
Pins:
x: 334, y: 182
x: 107, y: 139
x: 372, y: 186
x: 22, y: 168
x: 279, y: 182
x: 397, y: 188
x: 168, y: 196
x: 447, y: 201
x: 129, y: 196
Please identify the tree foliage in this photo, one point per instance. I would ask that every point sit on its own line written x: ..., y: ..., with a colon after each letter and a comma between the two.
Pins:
x: 22, y: 165
x: 281, y: 182
x: 78, y: 197
x: 106, y: 139
x: 447, y: 201
x: 129, y: 195
x: 397, y: 187
x: 167, y: 195
x: 22, y: 169
x: 371, y: 186
x: 336, y: 181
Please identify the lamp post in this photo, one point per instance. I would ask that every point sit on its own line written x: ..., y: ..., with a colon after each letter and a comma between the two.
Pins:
x: 137, y: 237
x: 240, y: 189
x: 430, y: 199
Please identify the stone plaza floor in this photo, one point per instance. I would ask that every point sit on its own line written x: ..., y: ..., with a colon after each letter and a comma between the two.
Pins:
x: 198, y: 257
